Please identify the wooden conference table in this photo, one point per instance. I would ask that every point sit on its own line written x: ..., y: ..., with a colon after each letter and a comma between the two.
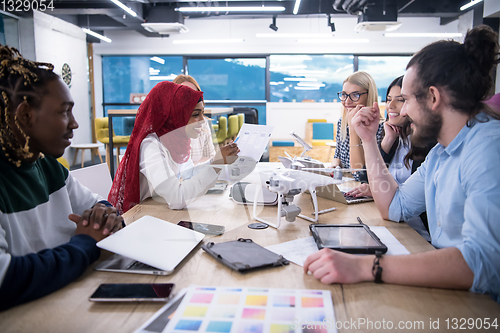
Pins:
x: 69, y: 310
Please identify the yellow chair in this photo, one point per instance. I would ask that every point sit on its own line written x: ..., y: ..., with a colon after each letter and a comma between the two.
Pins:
x: 222, y: 132
x: 233, y: 127
x: 102, y: 135
x: 64, y: 162
x: 241, y: 120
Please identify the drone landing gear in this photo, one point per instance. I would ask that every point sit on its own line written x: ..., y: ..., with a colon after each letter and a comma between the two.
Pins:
x: 290, y: 211
x: 315, y: 205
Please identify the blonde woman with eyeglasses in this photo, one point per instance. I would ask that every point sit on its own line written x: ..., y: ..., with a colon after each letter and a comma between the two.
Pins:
x: 358, y: 90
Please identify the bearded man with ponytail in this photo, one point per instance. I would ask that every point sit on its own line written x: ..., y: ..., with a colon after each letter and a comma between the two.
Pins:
x: 458, y: 184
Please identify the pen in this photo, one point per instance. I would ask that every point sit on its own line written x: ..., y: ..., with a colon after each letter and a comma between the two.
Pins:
x: 326, y: 210
x: 359, y: 220
x: 236, y: 140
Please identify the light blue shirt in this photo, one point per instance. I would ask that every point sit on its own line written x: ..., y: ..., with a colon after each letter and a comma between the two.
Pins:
x: 459, y: 187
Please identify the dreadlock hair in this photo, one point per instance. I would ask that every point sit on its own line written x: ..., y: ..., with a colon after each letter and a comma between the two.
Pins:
x: 464, y: 70
x: 21, y: 80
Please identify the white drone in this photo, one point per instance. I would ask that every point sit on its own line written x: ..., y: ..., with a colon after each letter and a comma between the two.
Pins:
x: 289, y: 182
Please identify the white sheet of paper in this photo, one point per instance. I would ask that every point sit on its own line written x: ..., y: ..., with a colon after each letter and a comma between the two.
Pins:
x: 394, y: 247
x: 252, y: 140
x: 298, y: 250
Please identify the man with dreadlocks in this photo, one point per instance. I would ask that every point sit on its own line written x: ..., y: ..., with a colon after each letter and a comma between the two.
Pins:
x: 49, y: 222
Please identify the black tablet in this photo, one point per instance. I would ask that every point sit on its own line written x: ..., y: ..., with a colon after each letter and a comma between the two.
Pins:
x: 350, y: 238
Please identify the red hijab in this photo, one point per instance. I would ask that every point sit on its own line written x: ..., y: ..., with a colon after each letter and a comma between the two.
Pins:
x: 167, y: 107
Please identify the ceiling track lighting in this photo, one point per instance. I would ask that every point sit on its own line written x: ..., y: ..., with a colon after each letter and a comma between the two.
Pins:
x: 125, y: 8
x: 330, y: 23
x: 273, y: 25
x: 95, y: 34
x: 296, y: 7
x: 230, y: 9
x: 470, y: 4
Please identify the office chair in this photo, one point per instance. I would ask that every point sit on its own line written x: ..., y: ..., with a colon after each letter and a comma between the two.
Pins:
x: 233, y: 127
x: 241, y: 120
x: 222, y: 131
x: 102, y: 135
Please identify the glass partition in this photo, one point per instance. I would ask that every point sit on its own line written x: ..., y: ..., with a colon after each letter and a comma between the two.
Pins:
x: 230, y: 79
x: 384, y: 69
x: 297, y: 78
x: 128, y: 76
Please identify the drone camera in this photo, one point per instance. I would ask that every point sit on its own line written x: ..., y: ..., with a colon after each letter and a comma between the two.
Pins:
x: 290, y: 212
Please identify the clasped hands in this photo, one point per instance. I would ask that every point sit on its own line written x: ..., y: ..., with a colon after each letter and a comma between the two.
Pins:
x: 98, y: 222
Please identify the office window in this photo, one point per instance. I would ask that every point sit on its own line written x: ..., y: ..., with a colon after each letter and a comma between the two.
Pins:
x: 126, y: 75
x: 9, y: 31
x: 295, y: 78
x: 384, y: 70
x: 231, y: 78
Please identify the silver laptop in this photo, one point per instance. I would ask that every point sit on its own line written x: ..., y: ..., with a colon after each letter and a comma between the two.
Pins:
x: 332, y: 192
x: 148, y: 246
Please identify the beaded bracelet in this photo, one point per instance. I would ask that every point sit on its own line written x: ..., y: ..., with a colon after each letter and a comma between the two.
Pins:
x: 376, y: 269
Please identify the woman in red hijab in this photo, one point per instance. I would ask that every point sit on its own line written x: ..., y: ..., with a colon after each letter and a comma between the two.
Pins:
x: 157, y: 160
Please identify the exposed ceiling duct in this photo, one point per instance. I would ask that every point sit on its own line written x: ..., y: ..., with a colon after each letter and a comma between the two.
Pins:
x: 373, y: 15
x: 164, y: 20
x: 160, y: 18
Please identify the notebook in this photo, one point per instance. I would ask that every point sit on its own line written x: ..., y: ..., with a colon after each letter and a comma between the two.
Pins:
x: 332, y: 192
x: 151, y: 241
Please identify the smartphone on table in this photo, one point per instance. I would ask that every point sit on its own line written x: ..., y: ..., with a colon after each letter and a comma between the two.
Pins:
x: 204, y: 228
x: 133, y: 292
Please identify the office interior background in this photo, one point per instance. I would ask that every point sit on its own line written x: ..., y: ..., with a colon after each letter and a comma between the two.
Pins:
x: 252, y: 59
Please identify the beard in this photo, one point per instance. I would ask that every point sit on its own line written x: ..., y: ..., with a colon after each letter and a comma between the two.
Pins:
x: 427, y: 131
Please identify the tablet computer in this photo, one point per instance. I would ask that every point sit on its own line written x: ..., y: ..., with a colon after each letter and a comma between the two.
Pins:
x: 349, y: 238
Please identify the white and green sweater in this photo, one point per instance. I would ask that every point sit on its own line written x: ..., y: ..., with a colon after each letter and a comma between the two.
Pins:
x: 38, y: 250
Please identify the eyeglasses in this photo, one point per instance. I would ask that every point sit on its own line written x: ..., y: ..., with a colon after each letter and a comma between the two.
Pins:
x: 354, y: 96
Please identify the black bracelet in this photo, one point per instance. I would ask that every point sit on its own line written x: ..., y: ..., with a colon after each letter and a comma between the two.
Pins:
x: 376, y: 269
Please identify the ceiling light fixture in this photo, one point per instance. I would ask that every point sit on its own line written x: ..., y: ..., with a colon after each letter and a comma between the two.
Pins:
x: 207, y: 41
x: 95, y: 34
x: 158, y: 60
x: 346, y: 41
x: 125, y: 8
x: 330, y: 23
x: 290, y: 35
x: 273, y: 25
x: 296, y: 7
x: 424, y: 34
x: 470, y: 4
x: 230, y: 9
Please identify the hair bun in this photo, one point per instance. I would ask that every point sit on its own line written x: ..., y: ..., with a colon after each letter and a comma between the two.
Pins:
x: 481, y: 47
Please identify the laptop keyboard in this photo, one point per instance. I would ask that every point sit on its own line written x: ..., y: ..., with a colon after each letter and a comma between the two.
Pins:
x: 351, y: 199
x: 140, y: 265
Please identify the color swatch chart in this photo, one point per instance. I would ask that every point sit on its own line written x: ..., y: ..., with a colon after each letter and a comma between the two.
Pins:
x: 253, y: 310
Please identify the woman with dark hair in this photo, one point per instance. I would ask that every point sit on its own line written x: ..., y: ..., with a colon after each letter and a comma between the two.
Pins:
x: 402, y: 158
x: 157, y: 162
x: 49, y: 222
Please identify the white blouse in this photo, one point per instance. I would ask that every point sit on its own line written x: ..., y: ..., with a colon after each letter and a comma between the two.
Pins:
x: 161, y: 177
